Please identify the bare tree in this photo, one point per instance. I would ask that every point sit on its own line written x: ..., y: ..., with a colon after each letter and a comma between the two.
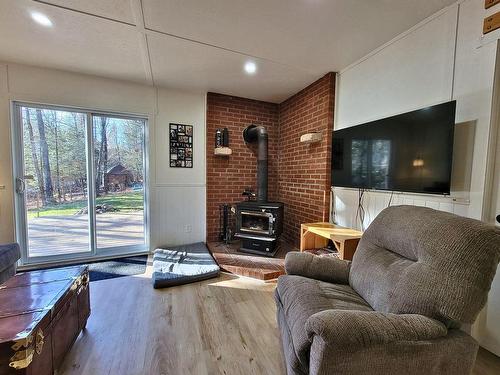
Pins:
x: 44, y: 153
x: 77, y: 153
x: 58, y: 169
x: 34, y: 155
x: 102, y: 160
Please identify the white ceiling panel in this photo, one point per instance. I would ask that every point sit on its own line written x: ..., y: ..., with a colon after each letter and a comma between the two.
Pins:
x: 181, y: 64
x: 119, y: 10
x: 202, y: 45
x: 317, y: 35
x: 75, y: 42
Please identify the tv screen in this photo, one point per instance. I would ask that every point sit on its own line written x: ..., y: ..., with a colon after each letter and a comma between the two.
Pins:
x: 411, y: 152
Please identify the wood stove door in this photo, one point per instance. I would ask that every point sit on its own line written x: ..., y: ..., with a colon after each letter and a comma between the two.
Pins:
x: 257, y: 222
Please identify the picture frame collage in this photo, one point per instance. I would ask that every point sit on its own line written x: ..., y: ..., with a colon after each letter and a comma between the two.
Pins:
x: 181, y: 146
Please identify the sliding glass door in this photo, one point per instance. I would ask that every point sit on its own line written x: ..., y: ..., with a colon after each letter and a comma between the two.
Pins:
x: 119, y: 182
x: 53, y: 182
x: 80, y: 179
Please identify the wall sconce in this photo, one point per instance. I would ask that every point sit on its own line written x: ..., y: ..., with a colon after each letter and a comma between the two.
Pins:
x: 418, y: 162
x: 311, y: 138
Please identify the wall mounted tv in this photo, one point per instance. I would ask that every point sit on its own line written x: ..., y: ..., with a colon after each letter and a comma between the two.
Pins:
x: 411, y: 152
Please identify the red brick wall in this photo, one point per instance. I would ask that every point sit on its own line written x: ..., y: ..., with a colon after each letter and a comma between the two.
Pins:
x: 299, y: 174
x: 227, y: 177
x: 304, y: 170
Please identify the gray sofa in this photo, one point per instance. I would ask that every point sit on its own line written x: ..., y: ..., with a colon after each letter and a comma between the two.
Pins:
x: 417, y: 275
x: 9, y: 255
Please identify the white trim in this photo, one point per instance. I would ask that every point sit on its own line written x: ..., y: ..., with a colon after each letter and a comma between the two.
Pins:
x: 437, y: 197
x: 488, y: 208
x: 455, y: 47
x: 73, y: 108
x: 17, y: 165
x: 20, y: 210
x: 41, y: 265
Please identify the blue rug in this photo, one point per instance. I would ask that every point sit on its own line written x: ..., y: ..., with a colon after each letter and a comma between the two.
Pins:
x: 118, y: 268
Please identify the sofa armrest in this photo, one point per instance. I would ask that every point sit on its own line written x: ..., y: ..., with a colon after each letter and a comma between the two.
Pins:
x: 327, y: 269
x: 9, y: 255
x: 366, y: 328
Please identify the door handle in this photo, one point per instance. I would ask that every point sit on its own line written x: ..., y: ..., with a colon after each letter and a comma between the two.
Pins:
x: 20, y: 185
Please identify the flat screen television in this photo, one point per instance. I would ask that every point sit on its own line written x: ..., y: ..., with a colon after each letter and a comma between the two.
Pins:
x: 411, y: 152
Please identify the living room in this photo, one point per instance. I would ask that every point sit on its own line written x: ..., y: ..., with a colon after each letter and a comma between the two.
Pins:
x: 173, y: 197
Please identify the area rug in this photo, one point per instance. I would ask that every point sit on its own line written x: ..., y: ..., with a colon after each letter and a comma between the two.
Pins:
x: 118, y: 268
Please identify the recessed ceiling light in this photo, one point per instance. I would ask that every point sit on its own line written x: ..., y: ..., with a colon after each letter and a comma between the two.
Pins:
x: 250, y: 67
x: 41, y: 18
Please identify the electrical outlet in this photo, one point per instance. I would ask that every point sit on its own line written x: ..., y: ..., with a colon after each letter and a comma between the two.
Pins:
x: 188, y: 228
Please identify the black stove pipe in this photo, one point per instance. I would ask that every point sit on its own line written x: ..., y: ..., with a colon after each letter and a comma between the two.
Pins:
x: 251, y: 134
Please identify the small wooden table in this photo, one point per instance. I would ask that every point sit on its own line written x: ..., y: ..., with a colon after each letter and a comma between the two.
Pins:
x: 316, y: 235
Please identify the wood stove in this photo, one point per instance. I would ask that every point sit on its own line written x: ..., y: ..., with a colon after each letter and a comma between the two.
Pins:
x: 259, y: 223
x: 259, y: 226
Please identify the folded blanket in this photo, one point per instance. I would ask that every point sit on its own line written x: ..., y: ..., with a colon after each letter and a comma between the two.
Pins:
x: 183, y: 264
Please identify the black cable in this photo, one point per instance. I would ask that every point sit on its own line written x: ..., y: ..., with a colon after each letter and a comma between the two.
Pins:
x: 390, y: 199
x: 357, y: 209
x: 362, y: 209
x: 360, y: 212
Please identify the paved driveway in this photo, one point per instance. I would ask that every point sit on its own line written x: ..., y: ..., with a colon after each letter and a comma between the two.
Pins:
x: 54, y: 235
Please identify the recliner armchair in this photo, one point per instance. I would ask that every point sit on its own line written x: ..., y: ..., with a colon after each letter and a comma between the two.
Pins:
x: 397, y: 308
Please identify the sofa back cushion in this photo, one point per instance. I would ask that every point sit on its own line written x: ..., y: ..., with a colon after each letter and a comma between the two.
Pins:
x: 416, y: 260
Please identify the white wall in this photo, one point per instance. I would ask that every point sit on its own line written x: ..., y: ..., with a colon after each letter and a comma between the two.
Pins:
x: 442, y: 58
x: 422, y: 67
x: 179, y: 193
x: 177, y: 197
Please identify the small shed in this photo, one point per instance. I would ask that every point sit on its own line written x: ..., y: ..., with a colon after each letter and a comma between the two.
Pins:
x: 118, y: 177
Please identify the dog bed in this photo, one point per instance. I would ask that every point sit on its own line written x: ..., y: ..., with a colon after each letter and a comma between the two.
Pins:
x: 183, y: 264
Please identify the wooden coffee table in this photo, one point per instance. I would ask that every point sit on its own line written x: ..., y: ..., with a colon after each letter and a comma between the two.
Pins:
x: 41, y: 315
x: 316, y: 235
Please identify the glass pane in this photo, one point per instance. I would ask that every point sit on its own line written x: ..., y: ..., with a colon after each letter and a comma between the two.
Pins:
x: 119, y: 173
x: 255, y: 222
x: 54, y: 154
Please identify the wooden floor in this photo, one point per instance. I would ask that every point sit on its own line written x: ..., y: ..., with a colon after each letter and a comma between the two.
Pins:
x: 230, y: 259
x: 220, y: 326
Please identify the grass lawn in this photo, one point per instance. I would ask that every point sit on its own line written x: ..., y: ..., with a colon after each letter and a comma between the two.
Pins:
x: 123, y: 202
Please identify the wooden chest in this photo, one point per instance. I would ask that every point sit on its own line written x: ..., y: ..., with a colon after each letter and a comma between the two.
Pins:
x: 41, y: 315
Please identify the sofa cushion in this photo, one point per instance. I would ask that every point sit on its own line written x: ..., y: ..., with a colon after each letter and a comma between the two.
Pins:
x: 302, y: 297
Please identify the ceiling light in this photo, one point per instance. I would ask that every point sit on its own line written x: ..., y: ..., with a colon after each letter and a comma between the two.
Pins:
x: 41, y: 18
x: 250, y: 67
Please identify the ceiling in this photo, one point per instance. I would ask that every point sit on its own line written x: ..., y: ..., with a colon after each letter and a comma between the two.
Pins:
x: 202, y: 45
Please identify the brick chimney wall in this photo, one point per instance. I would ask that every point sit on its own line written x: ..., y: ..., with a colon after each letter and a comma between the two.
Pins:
x: 304, y: 175
x: 299, y: 174
x: 229, y: 176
